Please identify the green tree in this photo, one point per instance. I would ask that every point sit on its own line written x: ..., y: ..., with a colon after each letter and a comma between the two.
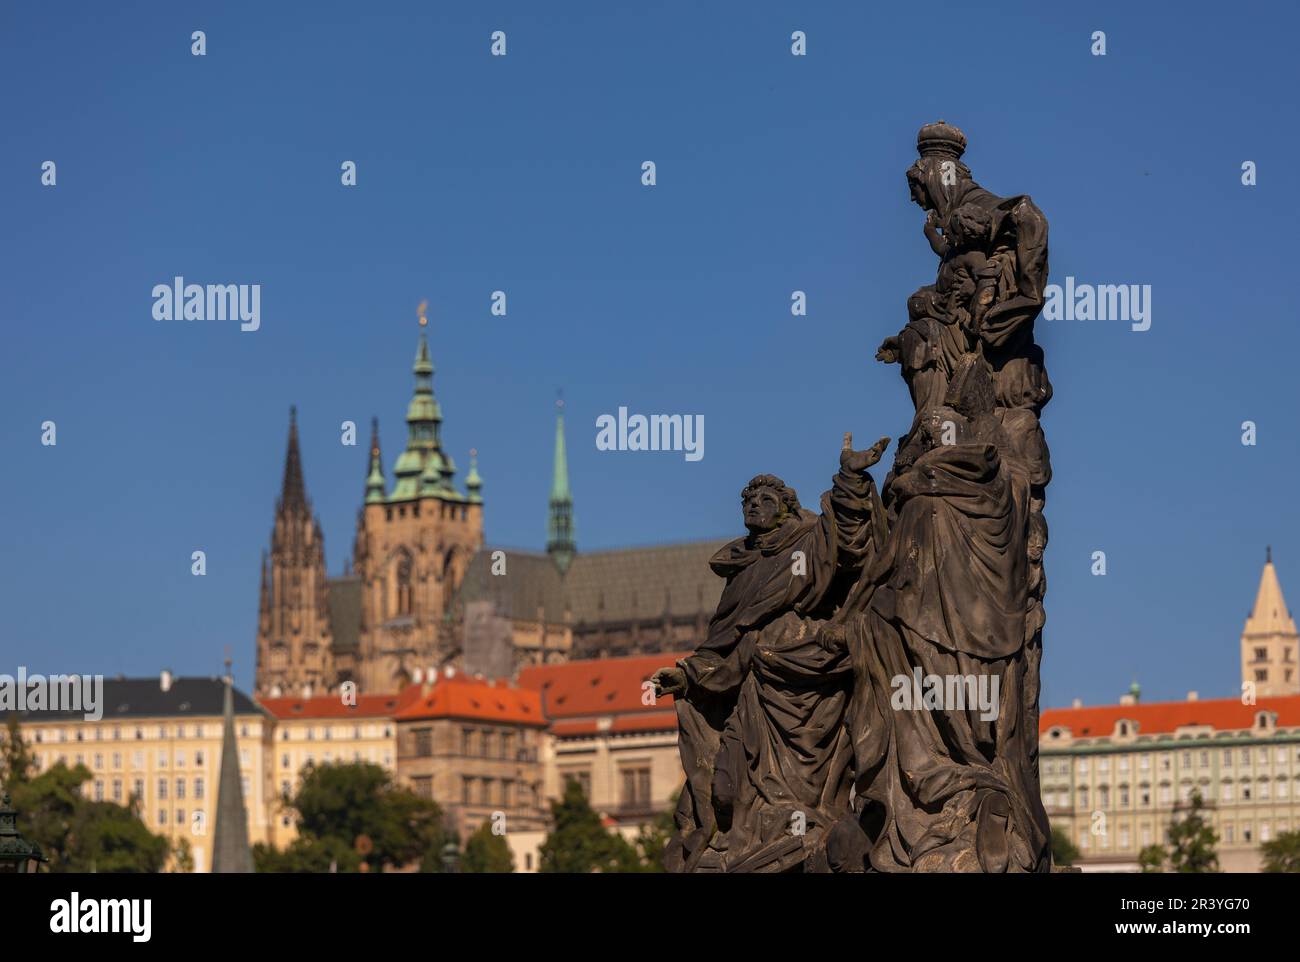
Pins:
x: 579, y: 842
x: 313, y: 856
x: 1064, y: 851
x: 182, y: 856
x: 486, y: 851
x: 107, y: 837
x: 1191, y: 840
x: 354, y: 808
x: 1282, y: 854
x: 1152, y: 859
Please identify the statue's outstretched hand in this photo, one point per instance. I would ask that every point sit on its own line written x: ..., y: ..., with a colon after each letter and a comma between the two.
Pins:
x: 669, y: 681
x: 858, y: 461
x: 890, y: 350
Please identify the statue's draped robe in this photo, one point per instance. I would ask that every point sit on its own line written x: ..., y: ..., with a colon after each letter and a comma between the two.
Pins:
x: 942, y: 788
x: 931, y: 346
x: 762, y: 726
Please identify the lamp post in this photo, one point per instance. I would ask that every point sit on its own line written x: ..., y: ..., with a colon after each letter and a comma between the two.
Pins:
x: 17, y: 855
x: 451, y: 857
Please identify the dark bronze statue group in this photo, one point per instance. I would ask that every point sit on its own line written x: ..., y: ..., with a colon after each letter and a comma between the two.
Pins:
x: 866, y: 699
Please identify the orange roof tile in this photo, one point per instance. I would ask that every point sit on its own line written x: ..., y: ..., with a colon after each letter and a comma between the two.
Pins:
x: 654, y: 721
x: 598, y: 687
x: 1158, y: 718
x: 332, y: 706
x: 468, y: 697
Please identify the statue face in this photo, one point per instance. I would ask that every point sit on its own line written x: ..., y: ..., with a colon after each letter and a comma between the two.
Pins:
x: 919, y: 195
x: 762, y: 509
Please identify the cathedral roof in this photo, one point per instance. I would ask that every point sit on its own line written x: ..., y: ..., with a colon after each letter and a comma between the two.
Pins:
x: 1270, y: 615
x: 627, y: 584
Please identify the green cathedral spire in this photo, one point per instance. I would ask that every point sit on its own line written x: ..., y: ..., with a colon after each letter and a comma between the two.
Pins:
x: 424, y: 469
x: 559, y: 543
x: 375, y: 479
x: 474, y: 483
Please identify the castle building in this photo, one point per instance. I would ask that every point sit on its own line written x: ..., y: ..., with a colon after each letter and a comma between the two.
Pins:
x: 422, y: 592
x: 1114, y: 777
x: 1270, y: 647
x: 192, y: 753
x: 389, y: 618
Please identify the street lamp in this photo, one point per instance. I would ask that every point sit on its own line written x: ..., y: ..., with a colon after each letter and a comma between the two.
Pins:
x: 451, y: 857
x: 17, y: 855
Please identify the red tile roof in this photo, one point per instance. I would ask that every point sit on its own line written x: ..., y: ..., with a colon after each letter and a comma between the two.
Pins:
x: 602, y: 688
x: 468, y: 697
x: 654, y: 721
x: 1158, y: 718
x: 332, y: 706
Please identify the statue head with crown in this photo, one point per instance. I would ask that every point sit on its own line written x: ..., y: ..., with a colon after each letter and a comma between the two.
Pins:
x: 938, y: 179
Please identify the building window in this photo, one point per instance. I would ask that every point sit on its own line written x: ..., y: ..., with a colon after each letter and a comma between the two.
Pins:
x: 180, y: 788
x: 466, y: 789
x: 117, y: 790
x: 1229, y: 833
x: 1083, y: 796
x: 1123, y: 796
x: 162, y: 788
x: 423, y: 786
x: 1103, y: 797
x: 636, y: 786
x: 137, y: 788
x: 198, y: 759
x: 99, y: 790
x: 198, y: 788
x: 284, y: 760
x: 424, y: 743
x: 1226, y: 792
x: 485, y: 791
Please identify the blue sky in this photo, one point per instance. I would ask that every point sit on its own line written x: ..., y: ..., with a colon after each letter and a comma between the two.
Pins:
x: 475, y: 173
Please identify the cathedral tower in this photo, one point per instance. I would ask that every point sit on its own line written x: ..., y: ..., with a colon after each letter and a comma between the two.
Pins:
x: 294, y: 643
x: 1270, y: 647
x: 412, y: 546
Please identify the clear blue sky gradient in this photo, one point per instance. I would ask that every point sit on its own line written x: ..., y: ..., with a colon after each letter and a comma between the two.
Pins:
x: 775, y: 173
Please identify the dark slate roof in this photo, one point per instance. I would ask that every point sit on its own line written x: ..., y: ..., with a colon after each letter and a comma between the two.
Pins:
x: 627, y: 584
x: 344, y: 596
x: 126, y: 698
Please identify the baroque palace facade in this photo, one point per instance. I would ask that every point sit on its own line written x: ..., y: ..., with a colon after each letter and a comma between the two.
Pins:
x: 1114, y: 777
x: 423, y: 592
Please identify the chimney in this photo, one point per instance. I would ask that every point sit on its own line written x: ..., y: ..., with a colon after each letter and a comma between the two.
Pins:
x: 165, y: 680
x: 1193, y: 696
x: 1077, y: 703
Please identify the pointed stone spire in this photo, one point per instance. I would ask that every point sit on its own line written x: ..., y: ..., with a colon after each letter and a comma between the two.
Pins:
x: 375, y: 479
x: 1270, y: 614
x: 293, y: 492
x: 560, y: 544
x: 1270, y: 647
x: 230, y: 851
